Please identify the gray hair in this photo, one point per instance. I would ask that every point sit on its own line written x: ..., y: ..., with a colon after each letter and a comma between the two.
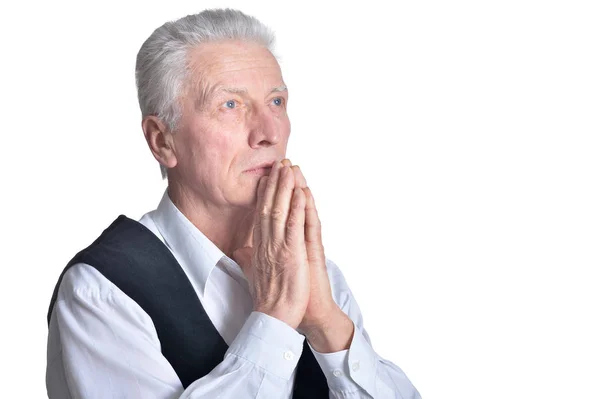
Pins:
x: 161, y: 68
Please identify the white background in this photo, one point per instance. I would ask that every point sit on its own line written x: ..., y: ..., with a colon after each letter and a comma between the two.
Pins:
x: 453, y: 149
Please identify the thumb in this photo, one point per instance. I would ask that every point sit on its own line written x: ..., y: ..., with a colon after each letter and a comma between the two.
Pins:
x: 243, y: 257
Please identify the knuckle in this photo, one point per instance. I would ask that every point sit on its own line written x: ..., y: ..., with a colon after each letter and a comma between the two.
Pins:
x: 294, y: 217
x: 264, y: 212
x: 319, y: 246
x: 277, y: 213
x: 283, y: 259
x: 277, y: 255
x: 291, y: 223
x: 298, y: 203
x: 273, y: 253
x: 270, y: 260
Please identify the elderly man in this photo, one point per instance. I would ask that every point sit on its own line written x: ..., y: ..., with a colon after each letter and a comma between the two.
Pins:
x: 223, y: 290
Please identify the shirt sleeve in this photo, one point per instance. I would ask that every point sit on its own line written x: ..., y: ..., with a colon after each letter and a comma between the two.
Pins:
x: 102, y: 344
x: 359, y: 372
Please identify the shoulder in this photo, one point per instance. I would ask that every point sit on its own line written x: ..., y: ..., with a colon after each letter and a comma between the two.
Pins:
x: 81, y: 279
x: 84, y: 280
x: 85, y: 298
x: 84, y: 291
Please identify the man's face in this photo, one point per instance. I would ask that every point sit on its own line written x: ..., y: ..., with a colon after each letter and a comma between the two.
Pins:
x: 234, y: 117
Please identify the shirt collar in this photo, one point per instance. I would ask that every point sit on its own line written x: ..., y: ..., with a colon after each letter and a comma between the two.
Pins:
x: 196, y: 254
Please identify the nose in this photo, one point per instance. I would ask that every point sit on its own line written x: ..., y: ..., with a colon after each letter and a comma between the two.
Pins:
x: 266, y: 129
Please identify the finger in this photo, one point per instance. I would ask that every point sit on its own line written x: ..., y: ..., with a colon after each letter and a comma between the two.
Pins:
x: 268, y: 200
x: 260, y: 193
x: 300, y: 180
x: 296, y: 220
x: 281, y: 207
x: 312, y: 228
x: 286, y: 162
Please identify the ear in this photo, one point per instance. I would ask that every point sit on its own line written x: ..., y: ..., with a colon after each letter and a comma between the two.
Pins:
x: 160, y: 141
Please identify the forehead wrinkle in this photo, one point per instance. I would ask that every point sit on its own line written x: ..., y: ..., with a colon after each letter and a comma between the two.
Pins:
x: 200, y: 88
x: 248, y: 60
x: 204, y: 66
x: 203, y: 92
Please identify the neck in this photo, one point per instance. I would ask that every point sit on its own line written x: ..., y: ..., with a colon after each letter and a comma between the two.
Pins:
x: 228, y: 228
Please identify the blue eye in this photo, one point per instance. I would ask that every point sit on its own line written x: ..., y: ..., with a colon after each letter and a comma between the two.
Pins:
x: 230, y: 104
x: 277, y: 101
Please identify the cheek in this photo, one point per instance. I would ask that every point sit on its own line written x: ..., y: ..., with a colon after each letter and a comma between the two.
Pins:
x: 218, y: 152
x: 229, y: 120
x: 207, y: 143
x: 285, y: 128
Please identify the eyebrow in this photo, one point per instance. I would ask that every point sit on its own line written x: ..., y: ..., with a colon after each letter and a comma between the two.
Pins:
x: 234, y: 90
x: 243, y: 90
x: 279, y: 89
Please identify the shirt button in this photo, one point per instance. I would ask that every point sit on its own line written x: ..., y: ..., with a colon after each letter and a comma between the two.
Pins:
x: 337, y: 373
x: 288, y: 355
x: 356, y: 366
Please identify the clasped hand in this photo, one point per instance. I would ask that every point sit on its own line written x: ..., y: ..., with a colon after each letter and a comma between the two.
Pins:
x: 286, y: 267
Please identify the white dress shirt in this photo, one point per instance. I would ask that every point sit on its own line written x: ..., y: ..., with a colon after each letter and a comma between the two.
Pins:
x: 101, y: 344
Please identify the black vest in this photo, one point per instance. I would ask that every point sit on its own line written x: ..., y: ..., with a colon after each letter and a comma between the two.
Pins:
x: 136, y: 261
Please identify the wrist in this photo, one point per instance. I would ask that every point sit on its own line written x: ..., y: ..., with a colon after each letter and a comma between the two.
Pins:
x: 288, y: 317
x: 333, y: 334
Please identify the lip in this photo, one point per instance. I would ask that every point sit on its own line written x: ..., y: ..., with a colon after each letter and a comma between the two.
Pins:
x: 261, y: 167
x: 259, y: 171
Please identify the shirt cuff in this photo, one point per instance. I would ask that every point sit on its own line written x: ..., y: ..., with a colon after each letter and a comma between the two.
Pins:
x: 352, y: 368
x: 269, y: 343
